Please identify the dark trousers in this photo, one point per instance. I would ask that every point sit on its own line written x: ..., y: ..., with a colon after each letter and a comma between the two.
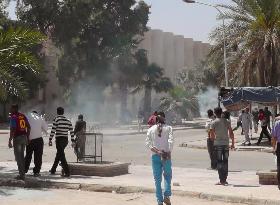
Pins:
x: 278, y: 162
x: 264, y: 132
x: 61, y: 143
x: 36, y: 146
x: 222, y: 162
x: 212, y: 153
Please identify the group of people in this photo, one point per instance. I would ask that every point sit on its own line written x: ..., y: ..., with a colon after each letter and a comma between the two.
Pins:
x: 248, y: 121
x: 219, y: 132
x: 26, y: 132
x: 160, y: 142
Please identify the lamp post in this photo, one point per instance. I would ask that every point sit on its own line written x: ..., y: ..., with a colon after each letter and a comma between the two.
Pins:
x: 224, y: 36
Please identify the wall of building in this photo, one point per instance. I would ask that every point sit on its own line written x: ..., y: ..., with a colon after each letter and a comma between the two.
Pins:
x: 173, y: 52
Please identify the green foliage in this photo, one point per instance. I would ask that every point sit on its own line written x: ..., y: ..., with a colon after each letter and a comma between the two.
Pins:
x: 17, y: 60
x: 181, y: 101
x: 252, y: 36
x: 90, y: 33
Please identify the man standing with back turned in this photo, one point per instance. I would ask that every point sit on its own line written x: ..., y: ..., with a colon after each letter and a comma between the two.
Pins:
x: 61, y: 127
x: 160, y: 142
x: 221, y: 131
x: 36, y: 144
x: 19, y: 133
x: 79, y: 131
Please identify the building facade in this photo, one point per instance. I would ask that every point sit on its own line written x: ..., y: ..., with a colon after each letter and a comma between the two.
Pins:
x: 172, y: 52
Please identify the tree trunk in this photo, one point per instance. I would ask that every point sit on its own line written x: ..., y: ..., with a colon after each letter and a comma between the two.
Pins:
x: 261, y: 68
x: 123, y: 95
x: 147, y: 102
x: 273, y: 74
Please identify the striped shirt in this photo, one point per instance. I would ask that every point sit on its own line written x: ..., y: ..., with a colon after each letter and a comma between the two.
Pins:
x: 60, y: 128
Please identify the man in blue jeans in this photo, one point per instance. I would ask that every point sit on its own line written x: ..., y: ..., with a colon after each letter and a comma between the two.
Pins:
x: 221, y: 132
x: 160, y: 141
x: 19, y: 138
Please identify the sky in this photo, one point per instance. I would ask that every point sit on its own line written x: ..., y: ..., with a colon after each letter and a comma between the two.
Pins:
x: 191, y: 20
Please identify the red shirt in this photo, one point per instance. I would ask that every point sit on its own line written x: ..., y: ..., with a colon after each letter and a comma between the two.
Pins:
x: 19, y: 123
x: 152, y: 120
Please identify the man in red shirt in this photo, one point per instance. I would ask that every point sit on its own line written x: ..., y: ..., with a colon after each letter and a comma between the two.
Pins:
x: 152, y: 119
x: 19, y: 133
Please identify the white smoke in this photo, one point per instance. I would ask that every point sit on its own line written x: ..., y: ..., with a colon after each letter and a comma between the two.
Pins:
x: 207, y: 100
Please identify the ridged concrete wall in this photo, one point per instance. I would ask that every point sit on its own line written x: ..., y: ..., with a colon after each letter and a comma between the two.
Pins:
x: 172, y: 52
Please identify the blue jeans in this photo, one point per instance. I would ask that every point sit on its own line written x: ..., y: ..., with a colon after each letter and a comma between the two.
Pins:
x: 162, y: 167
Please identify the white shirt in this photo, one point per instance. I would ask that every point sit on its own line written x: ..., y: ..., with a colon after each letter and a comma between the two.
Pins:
x: 37, y: 124
x: 163, y: 143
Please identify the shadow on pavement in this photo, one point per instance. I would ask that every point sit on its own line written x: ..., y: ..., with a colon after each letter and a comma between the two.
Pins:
x: 245, y: 186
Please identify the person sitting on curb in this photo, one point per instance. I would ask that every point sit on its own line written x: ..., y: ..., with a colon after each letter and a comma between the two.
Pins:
x: 160, y: 141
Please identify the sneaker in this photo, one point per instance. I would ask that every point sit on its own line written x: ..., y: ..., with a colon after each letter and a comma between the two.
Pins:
x: 226, y: 183
x: 167, y: 200
x: 249, y: 144
x: 36, y: 175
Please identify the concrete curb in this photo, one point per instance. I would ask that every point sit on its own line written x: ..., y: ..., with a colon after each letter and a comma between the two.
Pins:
x: 34, y: 183
x: 238, y: 149
x: 144, y: 132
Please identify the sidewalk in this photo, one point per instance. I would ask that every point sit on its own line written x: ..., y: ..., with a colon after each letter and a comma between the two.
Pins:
x: 243, y: 188
x: 239, y: 139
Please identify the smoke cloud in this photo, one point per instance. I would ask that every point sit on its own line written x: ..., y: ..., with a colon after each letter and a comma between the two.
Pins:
x: 207, y: 100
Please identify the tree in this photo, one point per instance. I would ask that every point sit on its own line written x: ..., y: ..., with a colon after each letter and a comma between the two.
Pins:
x: 90, y: 34
x: 17, y: 60
x: 181, y: 102
x: 252, y: 38
x: 151, y: 77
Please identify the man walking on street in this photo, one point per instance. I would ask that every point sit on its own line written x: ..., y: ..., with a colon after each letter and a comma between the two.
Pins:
x: 160, y: 141
x: 264, y: 131
x: 221, y: 131
x: 79, y: 132
x: 276, y: 146
x: 19, y: 134
x: 60, y: 128
x: 36, y: 143
x: 255, y: 114
x: 246, y: 125
x: 210, y: 142
x: 267, y: 115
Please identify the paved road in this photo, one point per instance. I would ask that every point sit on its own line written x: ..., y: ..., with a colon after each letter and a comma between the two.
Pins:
x: 131, y: 148
x: 69, y: 197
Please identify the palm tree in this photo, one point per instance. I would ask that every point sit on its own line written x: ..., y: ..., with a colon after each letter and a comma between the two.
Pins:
x: 17, y: 58
x: 252, y: 36
x: 181, y: 102
x: 150, y: 77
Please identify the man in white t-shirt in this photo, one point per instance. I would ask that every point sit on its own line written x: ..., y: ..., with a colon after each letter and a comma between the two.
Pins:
x: 36, y: 143
x: 160, y: 141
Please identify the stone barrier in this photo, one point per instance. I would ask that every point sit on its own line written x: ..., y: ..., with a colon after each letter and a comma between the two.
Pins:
x: 104, y: 169
x: 268, y: 177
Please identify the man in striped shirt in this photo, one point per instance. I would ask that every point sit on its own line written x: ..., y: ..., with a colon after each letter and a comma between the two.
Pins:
x: 60, y: 128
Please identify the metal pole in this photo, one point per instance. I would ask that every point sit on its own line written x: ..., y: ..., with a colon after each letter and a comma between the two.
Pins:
x: 225, y: 52
x: 224, y: 35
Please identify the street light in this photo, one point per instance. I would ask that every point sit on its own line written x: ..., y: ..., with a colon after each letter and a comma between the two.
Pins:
x: 224, y: 36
